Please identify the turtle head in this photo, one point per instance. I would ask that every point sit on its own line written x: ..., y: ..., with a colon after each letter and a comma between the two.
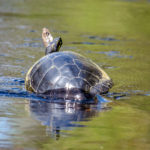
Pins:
x: 52, y: 45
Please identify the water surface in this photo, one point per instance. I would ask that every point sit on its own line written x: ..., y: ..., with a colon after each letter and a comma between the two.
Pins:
x: 113, y: 33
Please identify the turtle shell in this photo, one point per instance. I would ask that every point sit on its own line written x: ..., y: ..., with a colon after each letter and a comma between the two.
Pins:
x: 67, y: 75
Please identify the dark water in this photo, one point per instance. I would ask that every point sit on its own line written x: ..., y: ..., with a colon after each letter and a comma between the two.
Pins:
x: 113, y: 33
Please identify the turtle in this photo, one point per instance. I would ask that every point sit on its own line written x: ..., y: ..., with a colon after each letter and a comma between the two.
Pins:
x: 65, y: 75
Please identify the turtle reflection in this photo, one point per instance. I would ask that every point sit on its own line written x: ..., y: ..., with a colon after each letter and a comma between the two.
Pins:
x: 62, y: 116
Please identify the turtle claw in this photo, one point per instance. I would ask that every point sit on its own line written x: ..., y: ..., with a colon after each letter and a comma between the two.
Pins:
x: 47, y: 37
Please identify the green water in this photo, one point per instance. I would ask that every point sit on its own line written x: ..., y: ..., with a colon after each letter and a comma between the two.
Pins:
x: 113, y: 33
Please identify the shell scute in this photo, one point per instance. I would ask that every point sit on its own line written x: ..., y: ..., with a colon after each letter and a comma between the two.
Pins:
x: 89, y: 77
x: 48, y: 81
x: 79, y: 83
x: 62, y: 83
x: 69, y: 70
x: 89, y: 67
x: 60, y: 61
x: 39, y: 72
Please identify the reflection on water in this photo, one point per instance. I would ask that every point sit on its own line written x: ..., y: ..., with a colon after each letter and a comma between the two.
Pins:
x: 62, y: 116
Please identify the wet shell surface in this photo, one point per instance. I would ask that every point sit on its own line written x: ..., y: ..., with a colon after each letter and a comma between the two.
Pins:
x: 67, y: 75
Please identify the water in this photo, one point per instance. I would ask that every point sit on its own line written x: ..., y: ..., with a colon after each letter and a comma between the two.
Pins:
x: 113, y: 33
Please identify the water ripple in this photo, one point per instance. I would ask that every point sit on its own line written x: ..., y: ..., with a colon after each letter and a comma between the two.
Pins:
x: 110, y: 54
x: 86, y: 43
x: 32, y: 44
x: 128, y: 94
x: 103, y: 38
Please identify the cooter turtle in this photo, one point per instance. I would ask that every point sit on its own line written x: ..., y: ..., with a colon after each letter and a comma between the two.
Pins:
x: 65, y: 75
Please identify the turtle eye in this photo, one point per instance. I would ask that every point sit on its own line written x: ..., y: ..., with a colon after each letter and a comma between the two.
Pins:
x: 47, y: 33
